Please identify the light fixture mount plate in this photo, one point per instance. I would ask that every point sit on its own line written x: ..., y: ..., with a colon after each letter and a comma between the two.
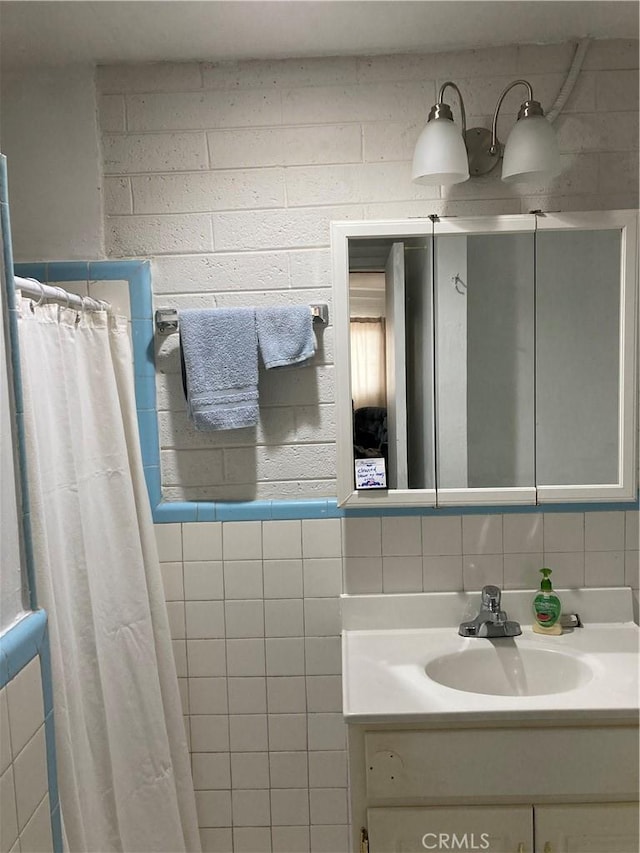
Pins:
x: 481, y: 159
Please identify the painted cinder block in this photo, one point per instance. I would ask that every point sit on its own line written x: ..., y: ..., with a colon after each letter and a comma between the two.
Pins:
x: 221, y: 190
x: 276, y: 73
x: 281, y: 462
x: 482, y: 62
x: 154, y: 152
x: 135, y: 236
x: 151, y: 77
x: 195, y: 467
x: 310, y: 268
x: 320, y: 185
x: 391, y: 140
x: 617, y: 90
x: 363, y: 102
x: 612, y: 53
x: 275, y: 229
x: 613, y: 131
x: 111, y: 114
x: 284, y: 146
x: 199, y: 110
x: 233, y: 271
x: 117, y: 197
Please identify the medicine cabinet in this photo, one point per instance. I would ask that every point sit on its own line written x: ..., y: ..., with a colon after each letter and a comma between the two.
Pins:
x: 488, y: 360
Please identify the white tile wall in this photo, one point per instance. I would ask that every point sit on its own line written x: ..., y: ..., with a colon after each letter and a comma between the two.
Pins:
x: 25, y: 817
x: 228, y: 174
x: 262, y: 664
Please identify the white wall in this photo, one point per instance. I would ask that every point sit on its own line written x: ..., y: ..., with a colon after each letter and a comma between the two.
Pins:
x: 227, y: 176
x: 48, y: 133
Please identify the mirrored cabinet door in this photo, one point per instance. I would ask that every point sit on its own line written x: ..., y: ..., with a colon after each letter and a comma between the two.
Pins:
x: 585, y: 307
x: 484, y: 357
x: 386, y: 416
x: 486, y: 361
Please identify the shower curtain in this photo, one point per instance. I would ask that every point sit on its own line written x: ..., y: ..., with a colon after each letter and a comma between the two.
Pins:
x: 123, y: 765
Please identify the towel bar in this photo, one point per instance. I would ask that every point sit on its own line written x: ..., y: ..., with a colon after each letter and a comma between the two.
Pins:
x: 167, y: 318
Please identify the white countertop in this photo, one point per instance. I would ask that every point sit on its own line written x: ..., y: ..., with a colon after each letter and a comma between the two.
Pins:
x: 384, y: 677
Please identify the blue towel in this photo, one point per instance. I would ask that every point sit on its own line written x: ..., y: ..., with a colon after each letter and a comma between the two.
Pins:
x: 285, y: 335
x: 220, y: 351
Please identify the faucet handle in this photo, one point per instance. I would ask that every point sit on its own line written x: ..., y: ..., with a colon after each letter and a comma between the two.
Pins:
x: 491, y: 596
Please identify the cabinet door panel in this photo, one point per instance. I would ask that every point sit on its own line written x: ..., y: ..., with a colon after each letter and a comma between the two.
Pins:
x: 594, y: 828
x: 427, y: 764
x: 504, y: 829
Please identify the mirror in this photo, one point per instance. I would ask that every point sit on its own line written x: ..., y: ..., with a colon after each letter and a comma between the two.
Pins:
x: 490, y: 360
x: 484, y: 296
x: 578, y: 346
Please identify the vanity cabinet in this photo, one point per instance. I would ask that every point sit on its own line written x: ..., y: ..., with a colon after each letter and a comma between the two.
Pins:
x: 530, y: 789
x: 593, y: 828
x: 510, y: 358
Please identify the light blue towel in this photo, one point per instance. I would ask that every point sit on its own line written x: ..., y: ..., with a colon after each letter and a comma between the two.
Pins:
x: 220, y: 351
x: 285, y: 335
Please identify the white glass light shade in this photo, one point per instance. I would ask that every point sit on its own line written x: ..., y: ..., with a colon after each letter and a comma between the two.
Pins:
x: 440, y: 156
x: 531, y: 152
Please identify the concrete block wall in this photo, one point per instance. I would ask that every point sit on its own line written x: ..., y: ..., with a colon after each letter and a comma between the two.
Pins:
x: 228, y: 174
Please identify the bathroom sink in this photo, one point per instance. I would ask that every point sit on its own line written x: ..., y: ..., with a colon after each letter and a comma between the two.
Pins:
x: 506, y: 669
x: 396, y: 669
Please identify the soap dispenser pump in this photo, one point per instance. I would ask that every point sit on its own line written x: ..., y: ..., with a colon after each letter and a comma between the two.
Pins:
x: 546, y: 607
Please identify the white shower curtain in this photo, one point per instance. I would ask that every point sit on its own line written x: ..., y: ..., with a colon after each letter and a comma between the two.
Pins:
x: 123, y: 765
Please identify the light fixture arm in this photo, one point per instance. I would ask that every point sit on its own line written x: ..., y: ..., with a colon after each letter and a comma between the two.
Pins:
x: 442, y: 110
x: 495, y: 145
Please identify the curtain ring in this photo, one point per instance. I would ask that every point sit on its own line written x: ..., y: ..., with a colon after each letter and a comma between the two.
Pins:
x: 63, y: 295
x: 42, y: 294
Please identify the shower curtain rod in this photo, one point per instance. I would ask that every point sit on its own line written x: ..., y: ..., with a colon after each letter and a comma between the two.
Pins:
x: 34, y: 289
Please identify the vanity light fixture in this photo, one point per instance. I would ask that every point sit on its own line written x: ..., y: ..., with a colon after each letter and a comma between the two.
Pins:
x: 445, y: 156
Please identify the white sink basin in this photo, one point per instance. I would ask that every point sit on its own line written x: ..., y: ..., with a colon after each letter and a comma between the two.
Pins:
x: 395, y: 669
x: 504, y: 669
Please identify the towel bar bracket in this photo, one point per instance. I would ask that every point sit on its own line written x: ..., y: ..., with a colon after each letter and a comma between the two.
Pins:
x: 166, y: 319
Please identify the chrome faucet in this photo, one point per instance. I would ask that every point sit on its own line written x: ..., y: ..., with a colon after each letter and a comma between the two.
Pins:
x: 491, y: 621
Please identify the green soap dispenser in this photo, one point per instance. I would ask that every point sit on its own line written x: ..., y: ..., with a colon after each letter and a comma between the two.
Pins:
x: 546, y: 607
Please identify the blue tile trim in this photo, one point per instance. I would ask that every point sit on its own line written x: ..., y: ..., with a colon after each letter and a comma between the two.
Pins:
x: 21, y: 643
x: 206, y: 511
x: 37, y: 271
x: 286, y: 510
x: 145, y: 393
x: 56, y: 830
x: 50, y: 739
x: 68, y: 271
x: 154, y: 485
x: 243, y: 511
x: 148, y: 429
x: 174, y: 511
x: 14, y: 354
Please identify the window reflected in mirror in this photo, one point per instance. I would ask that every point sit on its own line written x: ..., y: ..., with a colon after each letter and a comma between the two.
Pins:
x: 391, y: 332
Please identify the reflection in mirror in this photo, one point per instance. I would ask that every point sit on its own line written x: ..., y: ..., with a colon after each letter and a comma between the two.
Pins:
x: 391, y: 328
x: 578, y: 356
x: 484, y: 302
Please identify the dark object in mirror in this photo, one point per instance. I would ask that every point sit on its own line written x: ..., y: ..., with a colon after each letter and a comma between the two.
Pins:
x: 370, y: 433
